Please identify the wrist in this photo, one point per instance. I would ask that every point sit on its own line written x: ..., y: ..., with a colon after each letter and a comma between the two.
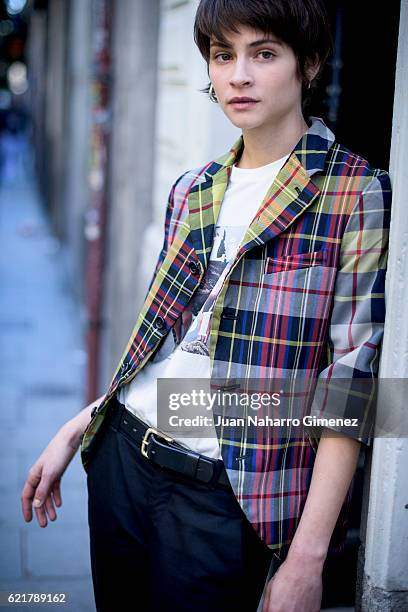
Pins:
x: 73, y: 430
x: 310, y: 555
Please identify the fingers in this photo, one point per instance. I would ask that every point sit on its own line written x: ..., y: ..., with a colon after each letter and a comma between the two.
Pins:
x: 265, y: 605
x: 49, y: 507
x: 41, y: 516
x: 56, y: 491
x: 40, y: 491
x: 46, y: 511
x: 28, y: 492
x: 267, y: 599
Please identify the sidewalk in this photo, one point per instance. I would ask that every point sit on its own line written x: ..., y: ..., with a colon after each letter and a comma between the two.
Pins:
x: 42, y: 368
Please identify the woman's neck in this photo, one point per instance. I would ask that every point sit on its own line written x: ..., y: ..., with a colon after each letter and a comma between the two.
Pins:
x: 269, y: 143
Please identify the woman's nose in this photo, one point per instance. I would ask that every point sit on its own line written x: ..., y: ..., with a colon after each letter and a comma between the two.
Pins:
x: 240, y: 74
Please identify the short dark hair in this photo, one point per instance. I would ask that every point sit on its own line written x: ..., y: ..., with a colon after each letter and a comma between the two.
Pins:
x: 302, y: 24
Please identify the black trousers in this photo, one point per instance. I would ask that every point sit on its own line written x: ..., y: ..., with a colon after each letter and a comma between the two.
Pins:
x: 162, y: 542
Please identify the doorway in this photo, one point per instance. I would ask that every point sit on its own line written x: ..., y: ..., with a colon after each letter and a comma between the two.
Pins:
x: 355, y: 96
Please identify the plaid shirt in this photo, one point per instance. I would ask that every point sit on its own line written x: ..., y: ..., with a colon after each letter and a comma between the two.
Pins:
x: 306, y: 291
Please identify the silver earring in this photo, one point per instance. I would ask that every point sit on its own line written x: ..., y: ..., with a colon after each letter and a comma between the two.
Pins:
x: 309, y: 84
x: 212, y: 94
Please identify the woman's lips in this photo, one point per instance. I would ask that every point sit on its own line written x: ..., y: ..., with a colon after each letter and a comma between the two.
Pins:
x: 243, y: 105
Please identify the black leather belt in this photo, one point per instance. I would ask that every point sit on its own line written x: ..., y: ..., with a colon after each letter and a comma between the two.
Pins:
x: 165, y: 452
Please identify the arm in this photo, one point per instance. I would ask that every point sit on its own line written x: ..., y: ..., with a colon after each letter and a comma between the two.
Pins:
x: 173, y: 194
x: 42, y: 486
x: 334, y: 467
x: 298, y: 583
x: 75, y: 427
x: 345, y: 388
x: 355, y: 334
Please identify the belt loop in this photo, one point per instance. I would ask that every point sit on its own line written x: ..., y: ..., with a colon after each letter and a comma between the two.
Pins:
x: 218, y: 466
x: 190, y: 465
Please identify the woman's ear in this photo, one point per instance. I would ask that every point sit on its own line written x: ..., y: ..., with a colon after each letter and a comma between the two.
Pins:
x: 312, y: 68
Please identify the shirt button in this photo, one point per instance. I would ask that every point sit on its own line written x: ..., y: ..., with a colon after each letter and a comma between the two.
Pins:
x: 194, y: 268
x: 159, y: 323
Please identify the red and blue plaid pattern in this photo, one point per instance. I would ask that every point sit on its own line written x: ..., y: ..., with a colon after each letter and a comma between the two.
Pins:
x: 306, y: 295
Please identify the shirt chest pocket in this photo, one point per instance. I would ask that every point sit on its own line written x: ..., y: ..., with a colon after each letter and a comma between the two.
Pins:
x: 285, y: 263
x: 299, y: 285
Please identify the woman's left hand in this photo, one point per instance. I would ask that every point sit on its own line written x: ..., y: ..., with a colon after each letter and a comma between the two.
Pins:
x: 295, y: 587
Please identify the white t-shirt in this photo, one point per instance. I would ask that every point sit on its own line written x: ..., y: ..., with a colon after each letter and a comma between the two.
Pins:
x: 185, y: 354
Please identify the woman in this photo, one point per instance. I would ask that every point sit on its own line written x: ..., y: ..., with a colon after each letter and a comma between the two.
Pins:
x: 272, y: 266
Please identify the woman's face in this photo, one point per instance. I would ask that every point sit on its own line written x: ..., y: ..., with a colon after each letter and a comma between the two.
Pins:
x: 260, y: 67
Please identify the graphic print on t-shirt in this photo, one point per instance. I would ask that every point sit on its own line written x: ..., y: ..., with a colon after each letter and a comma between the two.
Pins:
x: 196, y: 317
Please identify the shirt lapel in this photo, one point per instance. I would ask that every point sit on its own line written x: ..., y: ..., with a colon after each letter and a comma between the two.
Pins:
x: 287, y: 197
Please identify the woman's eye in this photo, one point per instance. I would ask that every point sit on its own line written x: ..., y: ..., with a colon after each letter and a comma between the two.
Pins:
x: 221, y: 55
x: 268, y: 53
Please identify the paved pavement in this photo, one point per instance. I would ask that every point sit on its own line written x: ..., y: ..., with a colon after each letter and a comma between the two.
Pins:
x: 42, y: 367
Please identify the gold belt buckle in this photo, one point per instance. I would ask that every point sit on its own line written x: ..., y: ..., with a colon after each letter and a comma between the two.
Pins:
x: 145, y: 441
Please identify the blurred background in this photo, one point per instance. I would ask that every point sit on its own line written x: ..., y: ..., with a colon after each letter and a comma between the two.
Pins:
x: 100, y: 111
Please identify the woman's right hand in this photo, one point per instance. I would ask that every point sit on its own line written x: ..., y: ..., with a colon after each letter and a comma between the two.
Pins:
x: 42, y: 489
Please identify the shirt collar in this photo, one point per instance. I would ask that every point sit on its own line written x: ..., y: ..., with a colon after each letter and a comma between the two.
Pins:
x: 311, y: 150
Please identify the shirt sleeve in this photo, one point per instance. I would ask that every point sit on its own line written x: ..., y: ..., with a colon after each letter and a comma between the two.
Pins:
x: 167, y: 220
x: 346, y: 389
